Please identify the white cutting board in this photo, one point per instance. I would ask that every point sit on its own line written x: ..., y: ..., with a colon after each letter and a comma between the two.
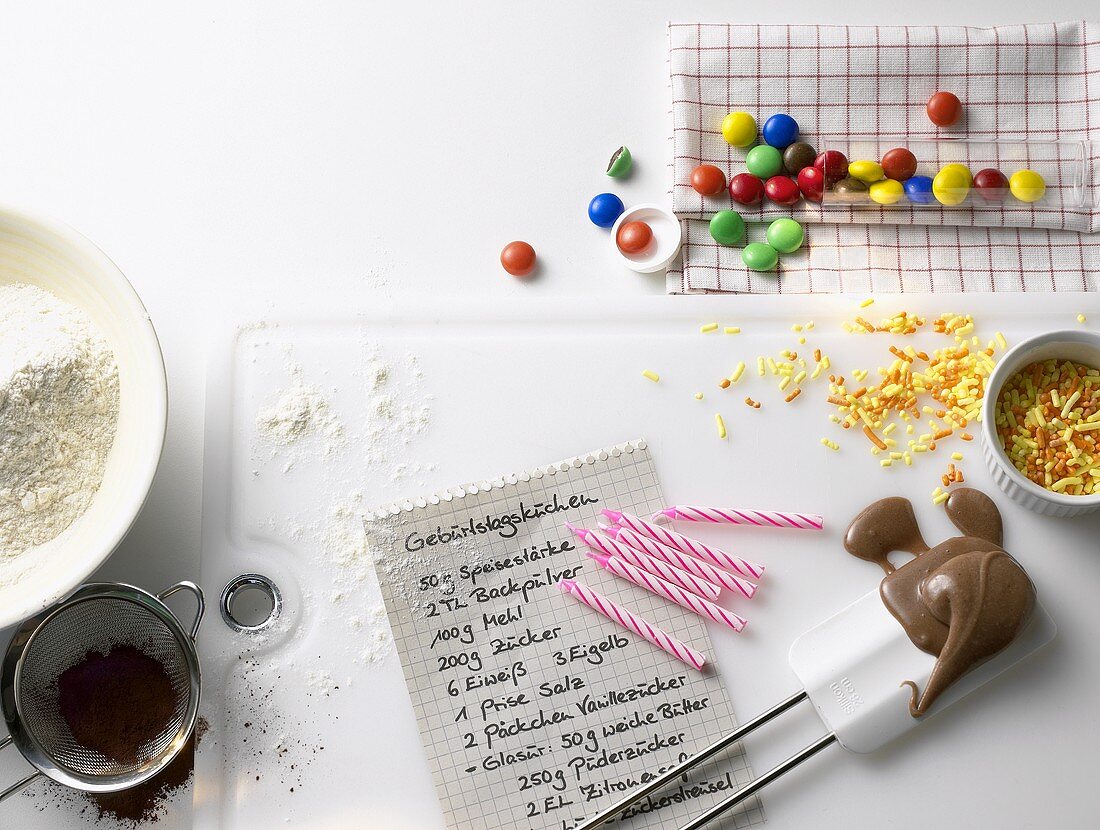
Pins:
x: 519, y: 385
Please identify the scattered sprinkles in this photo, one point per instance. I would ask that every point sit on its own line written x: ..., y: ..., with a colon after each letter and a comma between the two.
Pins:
x: 708, y: 328
x: 1081, y: 318
x: 653, y: 376
x: 867, y: 302
x: 732, y: 330
x: 833, y: 445
x: 721, y: 426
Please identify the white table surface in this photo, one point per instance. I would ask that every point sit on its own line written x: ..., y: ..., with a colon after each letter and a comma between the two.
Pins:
x: 236, y: 159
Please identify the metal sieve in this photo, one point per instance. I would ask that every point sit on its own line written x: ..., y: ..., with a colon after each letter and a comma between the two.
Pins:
x: 96, y: 617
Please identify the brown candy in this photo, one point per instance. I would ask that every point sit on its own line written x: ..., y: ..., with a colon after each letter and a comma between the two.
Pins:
x: 850, y: 190
x: 797, y: 157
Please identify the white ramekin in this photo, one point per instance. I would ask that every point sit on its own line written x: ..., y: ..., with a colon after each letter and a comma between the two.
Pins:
x: 1080, y: 346
x: 53, y: 256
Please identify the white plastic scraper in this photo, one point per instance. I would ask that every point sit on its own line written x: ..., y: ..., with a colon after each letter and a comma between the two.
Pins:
x: 851, y: 668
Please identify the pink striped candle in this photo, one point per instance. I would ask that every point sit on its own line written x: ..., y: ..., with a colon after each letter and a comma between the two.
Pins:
x: 632, y: 622
x: 686, y: 562
x: 733, y: 516
x: 681, y: 578
x: 686, y: 544
x: 658, y: 586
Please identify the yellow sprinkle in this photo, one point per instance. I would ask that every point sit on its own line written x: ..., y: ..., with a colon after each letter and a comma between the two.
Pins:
x: 833, y: 445
x: 732, y: 330
x: 796, y: 328
x: 1080, y: 318
x: 720, y: 424
x: 760, y: 366
x: 698, y: 396
x: 886, y: 462
x: 937, y: 491
x: 889, y: 428
x: 810, y: 326
x: 802, y: 341
x: 783, y: 384
x: 1000, y: 338
x: 801, y: 376
x: 653, y: 376
x: 956, y: 456
x: 908, y: 460
x: 740, y: 370
x: 941, y: 498
x: 867, y: 302
x: 1087, y: 426
x: 708, y: 328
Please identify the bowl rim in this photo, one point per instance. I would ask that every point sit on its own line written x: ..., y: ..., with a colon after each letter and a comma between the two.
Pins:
x: 154, y: 396
x: 993, y: 391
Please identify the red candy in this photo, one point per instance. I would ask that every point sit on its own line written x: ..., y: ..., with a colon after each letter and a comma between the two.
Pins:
x: 899, y: 164
x: 518, y: 259
x: 634, y: 237
x: 833, y: 164
x: 944, y: 109
x: 991, y: 184
x: 811, y: 181
x: 708, y: 180
x: 746, y: 189
x: 782, y: 190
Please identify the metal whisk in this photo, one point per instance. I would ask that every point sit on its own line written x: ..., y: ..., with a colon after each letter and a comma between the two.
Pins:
x: 96, y: 617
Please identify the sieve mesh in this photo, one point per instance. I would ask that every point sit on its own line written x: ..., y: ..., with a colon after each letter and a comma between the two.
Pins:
x: 96, y: 624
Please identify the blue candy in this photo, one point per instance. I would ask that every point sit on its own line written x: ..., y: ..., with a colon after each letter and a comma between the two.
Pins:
x: 780, y: 130
x: 918, y: 189
x: 604, y: 209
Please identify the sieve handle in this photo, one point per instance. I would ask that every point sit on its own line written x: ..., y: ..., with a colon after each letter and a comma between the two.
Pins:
x: 18, y: 785
x: 199, y: 601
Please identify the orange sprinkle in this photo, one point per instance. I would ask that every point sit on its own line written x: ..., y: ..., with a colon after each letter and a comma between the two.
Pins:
x: 795, y: 394
x: 874, y: 439
x: 966, y: 436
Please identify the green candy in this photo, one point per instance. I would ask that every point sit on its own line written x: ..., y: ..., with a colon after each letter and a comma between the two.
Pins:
x: 759, y: 257
x: 764, y: 161
x: 620, y: 163
x: 785, y: 235
x: 727, y: 227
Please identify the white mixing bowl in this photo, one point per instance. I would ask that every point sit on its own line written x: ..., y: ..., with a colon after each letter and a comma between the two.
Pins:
x: 53, y: 256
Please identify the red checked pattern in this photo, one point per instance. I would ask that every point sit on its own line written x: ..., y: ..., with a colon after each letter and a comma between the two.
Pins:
x: 1037, y: 81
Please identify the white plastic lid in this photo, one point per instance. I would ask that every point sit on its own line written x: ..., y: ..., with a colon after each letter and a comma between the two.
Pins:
x: 659, y: 254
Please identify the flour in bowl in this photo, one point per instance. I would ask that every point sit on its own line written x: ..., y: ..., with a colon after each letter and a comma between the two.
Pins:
x: 59, y: 402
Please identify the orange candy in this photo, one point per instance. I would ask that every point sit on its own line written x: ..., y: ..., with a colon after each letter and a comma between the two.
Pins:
x: 518, y: 258
x: 708, y: 180
x: 634, y: 237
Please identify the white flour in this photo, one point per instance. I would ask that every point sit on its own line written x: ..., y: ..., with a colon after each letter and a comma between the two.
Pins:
x: 59, y: 404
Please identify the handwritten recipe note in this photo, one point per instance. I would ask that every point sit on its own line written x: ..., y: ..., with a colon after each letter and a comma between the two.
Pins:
x: 535, y: 712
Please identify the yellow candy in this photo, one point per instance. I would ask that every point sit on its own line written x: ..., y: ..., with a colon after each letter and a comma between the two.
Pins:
x: 739, y: 129
x: 886, y: 192
x: 866, y: 171
x: 962, y: 170
x: 1027, y: 185
x: 951, y: 184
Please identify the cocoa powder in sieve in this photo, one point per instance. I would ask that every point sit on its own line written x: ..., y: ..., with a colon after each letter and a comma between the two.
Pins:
x: 116, y: 703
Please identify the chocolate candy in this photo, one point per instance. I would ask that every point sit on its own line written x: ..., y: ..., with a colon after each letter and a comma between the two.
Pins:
x: 991, y: 185
x: 708, y: 180
x: 798, y: 157
x: 811, y: 181
x: 727, y: 227
x: 604, y: 209
x: 850, y: 190
x: 944, y: 109
x: 899, y: 164
x: 780, y: 130
x: 833, y: 164
x: 759, y: 257
x: 1027, y: 185
x: 785, y: 235
x: 739, y: 129
x: 764, y: 161
x: 951, y: 185
x: 866, y: 171
x: 518, y: 258
x: 886, y: 192
x: 746, y: 189
x: 918, y: 189
x: 620, y: 164
x: 633, y: 237
x: 782, y: 190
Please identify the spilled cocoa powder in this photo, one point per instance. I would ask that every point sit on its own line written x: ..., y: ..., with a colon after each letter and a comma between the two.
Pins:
x: 117, y: 703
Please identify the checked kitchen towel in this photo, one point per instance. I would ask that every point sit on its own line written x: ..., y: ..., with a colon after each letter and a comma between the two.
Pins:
x: 1039, y: 82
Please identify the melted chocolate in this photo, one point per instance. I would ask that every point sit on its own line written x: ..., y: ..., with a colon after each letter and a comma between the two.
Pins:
x: 963, y: 601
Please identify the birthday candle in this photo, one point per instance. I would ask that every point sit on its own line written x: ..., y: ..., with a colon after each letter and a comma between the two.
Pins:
x: 735, y: 516
x: 686, y: 544
x: 675, y: 575
x: 632, y: 622
x: 658, y: 586
x: 684, y: 561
